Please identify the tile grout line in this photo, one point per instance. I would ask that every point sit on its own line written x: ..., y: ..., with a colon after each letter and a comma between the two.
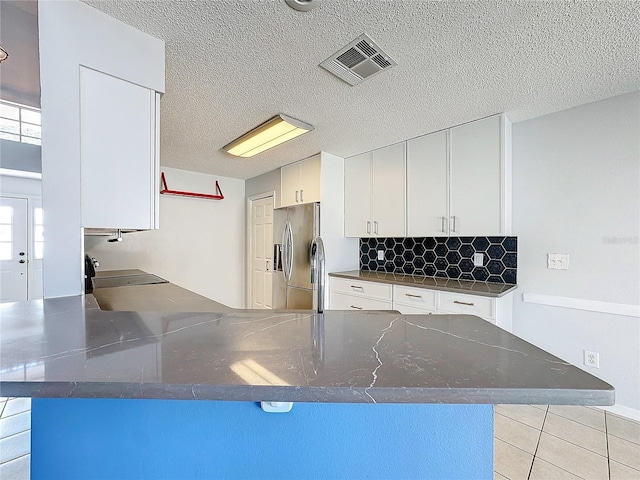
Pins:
x: 17, y: 458
x: 538, y: 443
x: 606, y: 438
x: 518, y: 421
x: 16, y: 433
x: 15, y: 414
x: 577, y: 421
x: 576, y: 445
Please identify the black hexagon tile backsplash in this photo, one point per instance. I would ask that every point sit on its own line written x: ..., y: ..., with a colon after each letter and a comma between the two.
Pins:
x: 447, y: 257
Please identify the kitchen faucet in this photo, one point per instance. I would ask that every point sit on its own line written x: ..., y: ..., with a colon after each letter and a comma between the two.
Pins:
x: 317, y: 273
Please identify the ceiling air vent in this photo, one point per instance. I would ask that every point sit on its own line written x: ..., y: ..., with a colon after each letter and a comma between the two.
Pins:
x: 359, y: 60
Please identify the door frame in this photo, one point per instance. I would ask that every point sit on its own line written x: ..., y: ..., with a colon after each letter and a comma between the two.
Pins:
x: 24, y: 185
x: 249, y: 242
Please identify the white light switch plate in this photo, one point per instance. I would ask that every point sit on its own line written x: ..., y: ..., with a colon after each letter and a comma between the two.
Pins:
x: 380, y: 254
x: 478, y: 259
x: 558, y: 261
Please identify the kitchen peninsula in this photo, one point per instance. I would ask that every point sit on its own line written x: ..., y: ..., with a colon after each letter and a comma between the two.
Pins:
x: 171, y: 395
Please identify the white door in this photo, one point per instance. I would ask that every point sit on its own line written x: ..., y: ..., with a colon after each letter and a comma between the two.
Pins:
x: 13, y: 249
x: 261, y: 252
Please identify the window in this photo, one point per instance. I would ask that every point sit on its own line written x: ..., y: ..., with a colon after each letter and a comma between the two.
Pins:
x: 20, y: 123
x: 6, y: 233
x: 38, y: 234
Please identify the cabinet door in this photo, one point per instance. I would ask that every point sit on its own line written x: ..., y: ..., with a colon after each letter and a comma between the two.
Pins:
x: 388, y: 191
x: 476, y: 178
x: 310, y: 180
x: 357, y: 196
x: 117, y: 152
x: 427, y: 185
x: 290, y: 184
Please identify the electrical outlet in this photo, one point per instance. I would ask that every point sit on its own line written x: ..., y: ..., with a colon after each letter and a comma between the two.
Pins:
x: 558, y: 261
x: 380, y: 254
x: 478, y: 259
x: 591, y: 359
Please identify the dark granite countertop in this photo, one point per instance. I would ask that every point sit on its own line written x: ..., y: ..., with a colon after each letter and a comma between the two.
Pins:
x: 483, y: 289
x: 67, y: 347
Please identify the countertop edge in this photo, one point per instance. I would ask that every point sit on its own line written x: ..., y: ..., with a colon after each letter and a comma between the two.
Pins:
x: 310, y: 394
x: 441, y: 288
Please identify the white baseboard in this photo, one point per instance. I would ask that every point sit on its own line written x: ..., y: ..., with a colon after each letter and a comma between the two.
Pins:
x: 623, y: 411
x: 580, y: 304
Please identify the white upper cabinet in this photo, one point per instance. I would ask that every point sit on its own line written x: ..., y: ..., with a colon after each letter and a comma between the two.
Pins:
x: 301, y: 182
x: 478, y: 189
x: 459, y: 180
x: 357, y: 196
x: 428, y: 185
x: 119, y: 130
x: 375, y: 194
x: 388, y: 195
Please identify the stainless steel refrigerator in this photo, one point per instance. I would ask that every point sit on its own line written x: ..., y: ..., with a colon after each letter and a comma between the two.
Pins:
x: 293, y: 230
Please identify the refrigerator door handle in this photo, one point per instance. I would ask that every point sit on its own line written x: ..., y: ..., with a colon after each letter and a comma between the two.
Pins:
x: 285, y: 248
x: 290, y: 252
x: 287, y: 251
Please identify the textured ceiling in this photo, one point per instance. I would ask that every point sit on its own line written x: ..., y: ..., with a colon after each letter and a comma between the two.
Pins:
x: 233, y: 64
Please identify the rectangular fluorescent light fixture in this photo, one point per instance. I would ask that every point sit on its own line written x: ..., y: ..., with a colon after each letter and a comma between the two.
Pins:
x: 273, y: 132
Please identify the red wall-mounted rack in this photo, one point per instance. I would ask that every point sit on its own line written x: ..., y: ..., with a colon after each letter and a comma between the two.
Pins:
x: 165, y: 191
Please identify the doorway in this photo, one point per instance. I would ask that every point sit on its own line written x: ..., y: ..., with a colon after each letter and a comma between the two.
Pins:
x: 21, y: 249
x: 260, y: 252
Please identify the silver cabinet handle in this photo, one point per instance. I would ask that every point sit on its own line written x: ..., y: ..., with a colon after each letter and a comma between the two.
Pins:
x: 453, y: 228
x: 443, y: 225
x: 357, y: 286
x: 470, y: 304
x: 357, y: 308
x: 266, y: 268
x: 375, y: 227
x: 368, y: 227
x: 296, y: 196
x: 301, y: 200
x: 413, y: 296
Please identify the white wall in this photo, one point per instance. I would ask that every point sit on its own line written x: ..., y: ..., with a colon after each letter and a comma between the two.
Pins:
x: 576, y: 186
x: 200, y: 243
x: 341, y: 253
x: 20, y: 156
x: 267, y: 182
x: 72, y: 34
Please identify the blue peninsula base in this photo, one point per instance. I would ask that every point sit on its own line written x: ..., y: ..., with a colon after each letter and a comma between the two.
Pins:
x: 174, y: 439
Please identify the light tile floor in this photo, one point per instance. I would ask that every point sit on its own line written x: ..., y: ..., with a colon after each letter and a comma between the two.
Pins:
x: 15, y: 438
x: 531, y: 442
x: 539, y: 442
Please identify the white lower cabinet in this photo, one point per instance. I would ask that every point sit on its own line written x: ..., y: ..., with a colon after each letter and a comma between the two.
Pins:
x: 346, y: 294
x: 410, y: 300
x: 468, y: 305
x: 342, y: 301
